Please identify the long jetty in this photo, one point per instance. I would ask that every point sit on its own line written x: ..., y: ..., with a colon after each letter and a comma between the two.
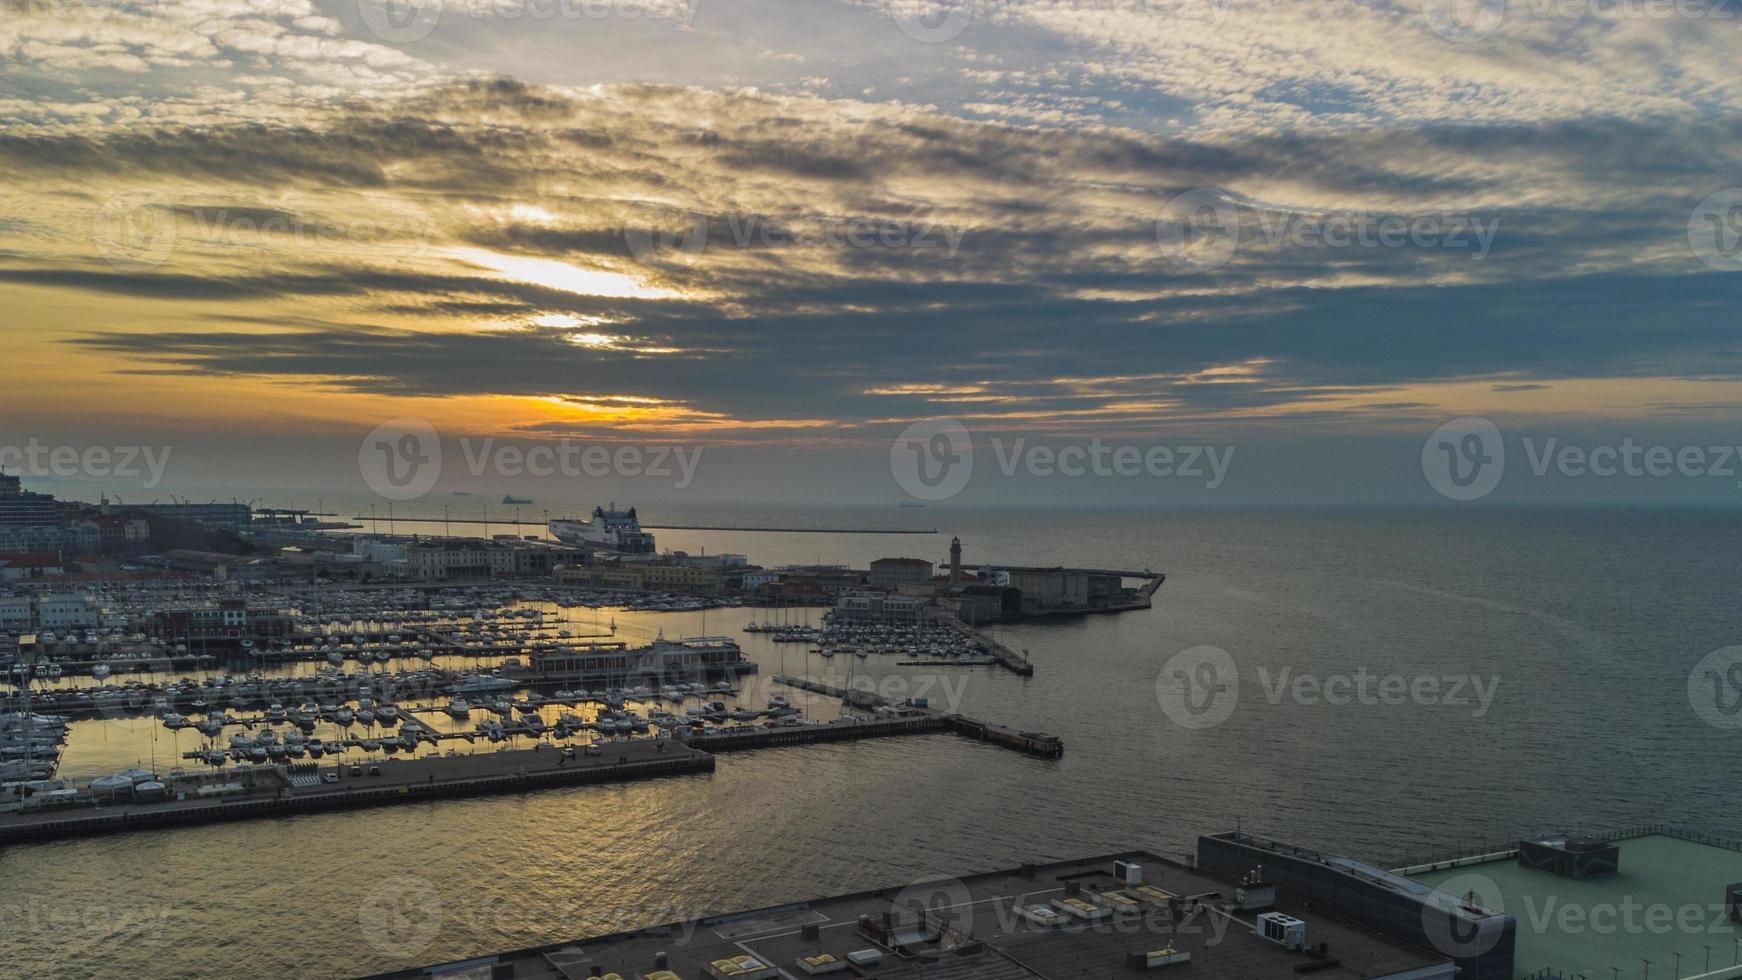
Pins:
x: 1007, y: 658
x: 272, y: 791
x: 662, y: 527
x: 1028, y: 743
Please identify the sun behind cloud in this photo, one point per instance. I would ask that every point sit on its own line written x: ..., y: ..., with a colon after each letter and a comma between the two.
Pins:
x: 554, y: 274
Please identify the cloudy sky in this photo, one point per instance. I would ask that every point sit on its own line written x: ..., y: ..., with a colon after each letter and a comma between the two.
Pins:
x: 254, y: 229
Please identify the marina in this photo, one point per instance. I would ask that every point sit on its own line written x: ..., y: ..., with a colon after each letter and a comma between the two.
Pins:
x: 304, y: 700
x: 269, y: 780
x: 281, y: 685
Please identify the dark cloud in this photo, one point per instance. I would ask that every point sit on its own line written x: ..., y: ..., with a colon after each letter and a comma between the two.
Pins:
x: 1057, y: 273
x: 1005, y: 347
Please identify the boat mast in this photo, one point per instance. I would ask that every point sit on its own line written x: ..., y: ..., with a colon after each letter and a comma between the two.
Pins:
x: 24, y: 695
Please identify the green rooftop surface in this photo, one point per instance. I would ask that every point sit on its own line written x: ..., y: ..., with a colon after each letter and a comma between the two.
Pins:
x: 1667, y: 898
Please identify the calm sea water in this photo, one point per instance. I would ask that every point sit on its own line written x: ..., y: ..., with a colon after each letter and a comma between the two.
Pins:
x: 1580, y: 625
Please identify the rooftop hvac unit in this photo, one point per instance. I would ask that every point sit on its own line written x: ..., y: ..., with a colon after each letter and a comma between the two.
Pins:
x: 1284, y: 930
x: 1128, y: 872
x: 1254, y: 893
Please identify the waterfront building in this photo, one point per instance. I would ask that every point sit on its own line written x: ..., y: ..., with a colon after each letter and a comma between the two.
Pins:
x: 893, y: 573
x: 504, y: 557
x: 880, y: 607
x: 227, y: 621
x: 453, y: 559
x: 644, y: 577
x: 694, y: 658
x: 46, y: 537
x: 110, y: 533
x: 760, y: 577
x: 390, y: 557
x: 65, y: 610
x: 1116, y: 915
x: 17, y: 613
x: 984, y: 603
x: 16, y: 566
x: 19, y: 506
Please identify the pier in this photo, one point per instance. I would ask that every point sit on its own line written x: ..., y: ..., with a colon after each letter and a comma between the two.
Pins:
x: 274, y: 791
x: 996, y: 653
x: 841, y: 731
x: 1028, y: 743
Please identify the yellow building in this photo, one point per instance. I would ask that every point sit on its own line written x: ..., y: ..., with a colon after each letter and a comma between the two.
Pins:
x: 644, y: 578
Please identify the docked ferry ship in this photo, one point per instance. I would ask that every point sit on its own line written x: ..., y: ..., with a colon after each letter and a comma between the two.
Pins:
x: 609, y: 530
x: 662, y: 660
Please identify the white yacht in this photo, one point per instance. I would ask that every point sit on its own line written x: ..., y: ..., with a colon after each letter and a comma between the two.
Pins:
x: 479, y: 683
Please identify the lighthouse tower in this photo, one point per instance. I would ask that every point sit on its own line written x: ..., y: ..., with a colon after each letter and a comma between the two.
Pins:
x: 955, y: 563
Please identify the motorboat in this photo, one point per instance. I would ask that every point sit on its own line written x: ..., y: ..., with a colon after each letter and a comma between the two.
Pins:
x: 479, y: 683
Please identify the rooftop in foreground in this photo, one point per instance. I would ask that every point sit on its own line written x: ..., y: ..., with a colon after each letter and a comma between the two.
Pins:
x: 1177, y: 922
x: 1666, y: 897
